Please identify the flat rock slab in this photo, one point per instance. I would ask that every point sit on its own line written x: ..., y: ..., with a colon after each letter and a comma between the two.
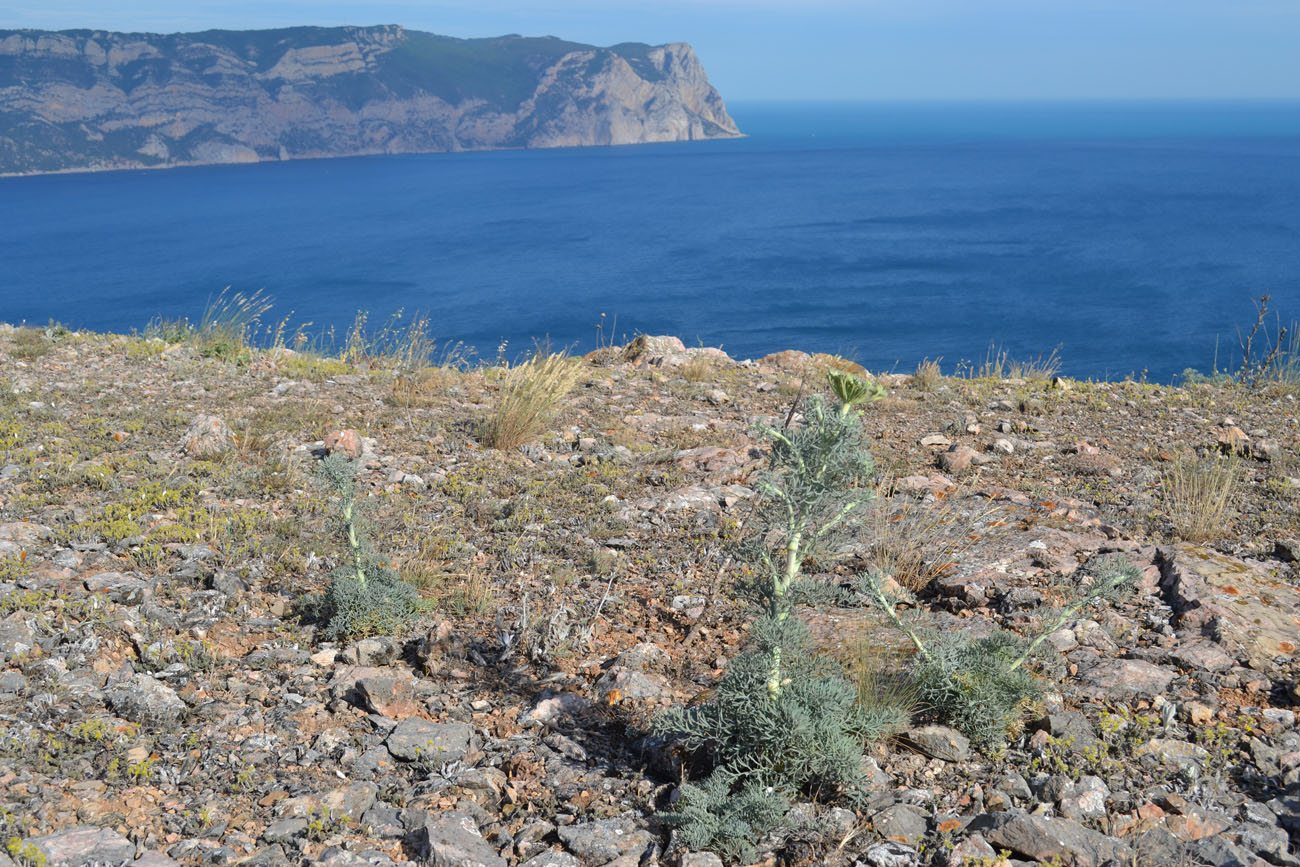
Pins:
x: 147, y: 701
x: 120, y: 588
x: 430, y: 741
x: 85, y: 845
x: 1251, y: 614
x: 1123, y: 679
x: 453, y: 840
x: 1043, y: 838
x: 605, y: 839
x: 940, y: 742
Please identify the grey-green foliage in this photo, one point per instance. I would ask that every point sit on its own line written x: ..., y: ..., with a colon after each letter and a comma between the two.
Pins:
x: 784, y: 719
x: 365, y: 596
x: 971, y: 684
x: 981, y: 685
x: 727, y: 814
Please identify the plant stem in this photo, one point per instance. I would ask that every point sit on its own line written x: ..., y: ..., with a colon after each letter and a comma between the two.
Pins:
x: 354, y: 545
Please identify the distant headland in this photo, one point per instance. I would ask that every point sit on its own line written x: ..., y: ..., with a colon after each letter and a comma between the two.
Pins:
x: 81, y: 100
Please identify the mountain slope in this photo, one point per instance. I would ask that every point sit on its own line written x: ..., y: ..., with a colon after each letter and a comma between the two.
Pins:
x: 96, y: 100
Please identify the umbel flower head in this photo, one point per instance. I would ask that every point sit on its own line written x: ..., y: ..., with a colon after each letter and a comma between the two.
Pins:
x: 851, y: 390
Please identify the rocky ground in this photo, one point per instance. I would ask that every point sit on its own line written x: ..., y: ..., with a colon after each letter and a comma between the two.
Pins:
x: 160, y: 701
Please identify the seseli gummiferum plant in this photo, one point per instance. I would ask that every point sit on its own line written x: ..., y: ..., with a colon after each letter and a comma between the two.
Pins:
x: 981, y: 685
x: 784, y: 719
x: 365, y: 597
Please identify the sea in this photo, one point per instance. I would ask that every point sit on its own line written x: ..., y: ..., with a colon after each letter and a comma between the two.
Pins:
x: 1130, y: 238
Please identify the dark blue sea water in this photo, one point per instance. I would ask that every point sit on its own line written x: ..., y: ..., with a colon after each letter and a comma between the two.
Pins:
x: 1131, y: 235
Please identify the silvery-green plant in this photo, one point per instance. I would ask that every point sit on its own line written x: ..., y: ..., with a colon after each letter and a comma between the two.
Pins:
x: 365, y: 596
x: 981, y: 685
x: 784, y: 719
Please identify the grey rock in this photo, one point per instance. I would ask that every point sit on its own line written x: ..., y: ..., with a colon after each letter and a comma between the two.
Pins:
x: 1218, y: 851
x: 642, y: 656
x: 1287, y: 550
x: 901, y: 823
x: 16, y: 637
x: 560, y: 859
x: 430, y: 741
x: 891, y: 854
x: 12, y: 683
x: 373, y: 651
x: 1201, y: 655
x: 1014, y: 785
x: 1122, y: 679
x: 553, y: 707
x: 376, y: 760
x: 940, y: 742
x: 1176, y: 753
x: 207, y: 437
x: 1073, y: 726
x: 1267, y: 840
x: 78, y: 846
x: 118, y: 587
x: 957, y: 459
x: 228, y: 582
x: 1253, y: 614
x: 1086, y: 799
x: 386, y: 694
x: 453, y: 840
x: 605, y: 839
x: 147, y: 701
x: 631, y: 684
x: 1159, y: 846
x: 268, y: 856
x: 285, y: 830
x: 1042, y: 838
x: 384, y: 821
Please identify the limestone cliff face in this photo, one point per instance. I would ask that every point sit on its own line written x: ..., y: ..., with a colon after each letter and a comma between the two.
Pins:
x: 96, y: 100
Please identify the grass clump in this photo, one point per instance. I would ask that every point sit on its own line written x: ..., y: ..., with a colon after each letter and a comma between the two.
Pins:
x: 998, y: 364
x: 928, y: 375
x: 529, y: 398
x: 226, y: 330
x: 1198, y: 494
x: 784, y: 720
x: 917, y: 541
x: 365, y: 597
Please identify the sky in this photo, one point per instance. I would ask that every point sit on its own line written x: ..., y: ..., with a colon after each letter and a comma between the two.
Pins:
x: 831, y: 49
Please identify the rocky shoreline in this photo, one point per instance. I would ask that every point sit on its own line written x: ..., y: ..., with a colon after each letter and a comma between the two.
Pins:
x: 160, y: 702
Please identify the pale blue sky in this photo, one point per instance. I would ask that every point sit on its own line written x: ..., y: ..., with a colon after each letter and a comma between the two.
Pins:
x: 833, y: 49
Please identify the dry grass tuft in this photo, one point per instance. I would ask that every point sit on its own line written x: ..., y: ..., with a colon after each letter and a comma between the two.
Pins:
x: 530, y: 397
x: 916, y: 541
x: 698, y: 369
x: 998, y: 364
x: 928, y: 375
x: 877, y: 671
x: 1198, y: 494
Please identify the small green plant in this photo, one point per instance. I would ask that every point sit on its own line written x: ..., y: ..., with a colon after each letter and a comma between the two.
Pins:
x: 26, y: 853
x: 784, y: 719
x: 529, y: 398
x: 365, y: 596
x: 981, y: 686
